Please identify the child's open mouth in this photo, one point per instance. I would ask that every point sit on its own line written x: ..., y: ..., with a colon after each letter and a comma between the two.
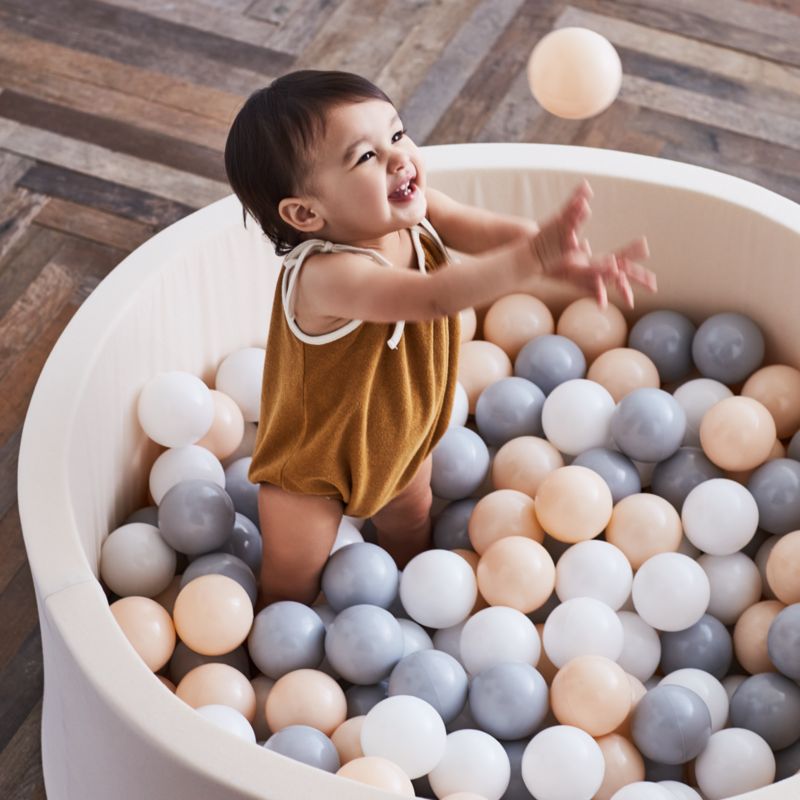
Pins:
x: 404, y: 193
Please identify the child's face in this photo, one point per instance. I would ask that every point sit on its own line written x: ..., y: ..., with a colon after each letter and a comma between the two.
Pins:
x: 368, y: 178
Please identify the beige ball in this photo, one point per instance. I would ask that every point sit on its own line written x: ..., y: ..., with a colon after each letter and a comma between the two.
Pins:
x: 480, y: 364
x: 523, y: 463
x: 218, y: 684
x: 306, y: 697
x: 574, y: 73
x: 148, y: 627
x: 592, y: 328
x: 513, y: 320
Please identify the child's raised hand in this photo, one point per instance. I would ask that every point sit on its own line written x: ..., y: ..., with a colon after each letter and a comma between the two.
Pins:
x: 563, y: 255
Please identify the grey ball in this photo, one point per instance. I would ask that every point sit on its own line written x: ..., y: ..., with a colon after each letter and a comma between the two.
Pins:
x: 787, y: 762
x: 286, y: 636
x: 655, y: 771
x: 793, y: 450
x: 460, y: 463
x: 450, y: 528
x: 245, y: 542
x: 616, y: 469
x: 776, y: 489
x: 361, y: 699
x: 671, y: 724
x: 769, y: 705
x: 648, y: 425
x: 364, y: 643
x: 306, y: 744
x: 358, y: 574
x: 666, y: 338
x: 550, y: 360
x: 677, y: 475
x: 728, y: 347
x: 196, y: 517
x: 516, y: 786
x: 222, y: 564
x: 706, y: 645
x: 148, y: 514
x: 184, y: 660
x: 783, y: 642
x: 509, y: 408
x: 243, y: 493
x: 433, y: 676
x: 509, y: 700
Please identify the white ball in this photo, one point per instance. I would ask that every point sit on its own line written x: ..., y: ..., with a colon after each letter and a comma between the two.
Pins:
x: 670, y: 592
x: 695, y: 398
x: 594, y: 569
x: 175, y: 409
x: 735, y: 585
x: 574, y: 73
x: 347, y: 534
x: 708, y: 688
x: 642, y: 790
x: 240, y: 375
x: 732, y: 683
x: 576, y: 416
x: 460, y: 412
x: 582, y: 626
x: 641, y: 649
x: 719, y: 516
x: 734, y: 761
x: 358, y: 522
x: 680, y: 791
x: 228, y: 719
x: 448, y: 640
x: 562, y: 763
x: 415, y: 637
x: 438, y: 588
x: 473, y: 761
x: 135, y: 560
x: 498, y: 634
x: 184, y: 464
x: 407, y: 731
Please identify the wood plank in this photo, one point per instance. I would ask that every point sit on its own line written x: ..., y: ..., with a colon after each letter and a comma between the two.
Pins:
x: 9, y: 460
x: 20, y: 761
x: 295, y: 24
x: 21, y: 678
x: 105, y: 75
x: 89, y: 223
x: 104, y: 195
x: 119, y: 137
x: 192, y: 190
x: 514, y: 115
x: 17, y: 208
x: 144, y: 41
x: 11, y: 544
x: 88, y: 262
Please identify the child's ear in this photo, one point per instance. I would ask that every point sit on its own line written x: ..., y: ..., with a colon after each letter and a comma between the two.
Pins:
x: 299, y: 215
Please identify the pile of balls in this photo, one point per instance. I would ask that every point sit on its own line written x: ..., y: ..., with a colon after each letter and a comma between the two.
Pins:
x: 611, y: 608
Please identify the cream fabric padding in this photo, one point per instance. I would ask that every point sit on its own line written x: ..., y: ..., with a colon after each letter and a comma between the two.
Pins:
x: 204, y: 287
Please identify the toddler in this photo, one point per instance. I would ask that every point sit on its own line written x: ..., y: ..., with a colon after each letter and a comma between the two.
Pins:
x: 362, y: 354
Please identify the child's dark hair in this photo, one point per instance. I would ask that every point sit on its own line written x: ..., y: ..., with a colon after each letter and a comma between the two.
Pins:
x: 270, y: 142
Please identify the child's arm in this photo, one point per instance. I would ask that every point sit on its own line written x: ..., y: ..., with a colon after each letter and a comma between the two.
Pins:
x: 470, y: 229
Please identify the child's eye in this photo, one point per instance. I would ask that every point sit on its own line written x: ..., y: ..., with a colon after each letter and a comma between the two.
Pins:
x: 366, y: 157
x: 399, y: 135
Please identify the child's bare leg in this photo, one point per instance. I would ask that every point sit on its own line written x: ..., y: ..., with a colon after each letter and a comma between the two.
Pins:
x: 298, y: 532
x: 404, y: 523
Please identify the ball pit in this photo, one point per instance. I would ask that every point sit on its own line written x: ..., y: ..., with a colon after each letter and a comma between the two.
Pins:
x: 201, y: 290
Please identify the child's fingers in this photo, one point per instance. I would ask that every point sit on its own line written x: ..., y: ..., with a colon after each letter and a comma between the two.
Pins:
x: 600, y: 291
x: 625, y: 288
x: 635, y: 250
x: 639, y: 274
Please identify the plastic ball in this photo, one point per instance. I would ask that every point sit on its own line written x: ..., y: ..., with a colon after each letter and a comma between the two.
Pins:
x: 776, y: 489
x: 576, y: 416
x: 364, y: 643
x: 642, y: 526
x: 594, y: 329
x: 573, y: 504
x: 480, y: 364
x: 346, y: 534
x: 184, y: 660
x: 243, y: 493
x: 641, y: 649
x: 218, y: 684
x: 514, y: 320
x: 438, y: 589
x: 617, y: 470
x: 671, y: 724
x: 643, y: 790
x: 306, y: 697
x: 549, y: 361
x: 502, y: 513
x: 347, y: 739
x: 230, y: 720
x: 184, y: 464
x: 262, y: 686
x: 175, y: 408
x: 246, y: 446
x: 407, y: 731
x: 227, y: 427
x: 623, y: 764
x: 362, y: 699
x: 622, y: 370
x: 648, y: 425
x: 670, y: 591
x: 777, y: 387
x: 582, y: 626
x: 286, y: 636
x: 135, y: 560
x: 706, y: 646
x: 737, y: 433
x: 750, y: 643
x: 433, y: 676
x: 734, y: 761
x: 222, y: 564
x: 680, y: 791
x: 676, y: 476
x: 523, y: 463
x: 769, y: 705
x: 783, y: 568
x: 213, y: 614
x: 360, y: 573
x: 666, y: 338
x: 450, y: 528
x: 473, y: 761
x: 460, y: 412
x: 728, y: 347
x: 793, y: 450
x: 594, y: 569
x: 497, y: 635
x: 307, y: 745
x: 563, y: 763
x: 783, y: 642
x: 735, y: 585
x: 509, y: 408
x: 460, y: 463
x: 707, y: 687
x: 378, y: 772
x: 696, y: 397
x: 240, y: 376
x: 415, y: 637
x: 148, y: 628
x: 244, y: 542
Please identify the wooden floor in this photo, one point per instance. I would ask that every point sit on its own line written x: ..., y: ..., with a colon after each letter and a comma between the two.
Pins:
x: 113, y: 117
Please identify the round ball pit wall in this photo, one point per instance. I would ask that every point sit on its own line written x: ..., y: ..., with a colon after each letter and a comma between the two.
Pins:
x: 204, y: 287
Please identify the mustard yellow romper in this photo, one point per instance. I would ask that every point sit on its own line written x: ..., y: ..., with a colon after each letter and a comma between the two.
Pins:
x: 343, y: 415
